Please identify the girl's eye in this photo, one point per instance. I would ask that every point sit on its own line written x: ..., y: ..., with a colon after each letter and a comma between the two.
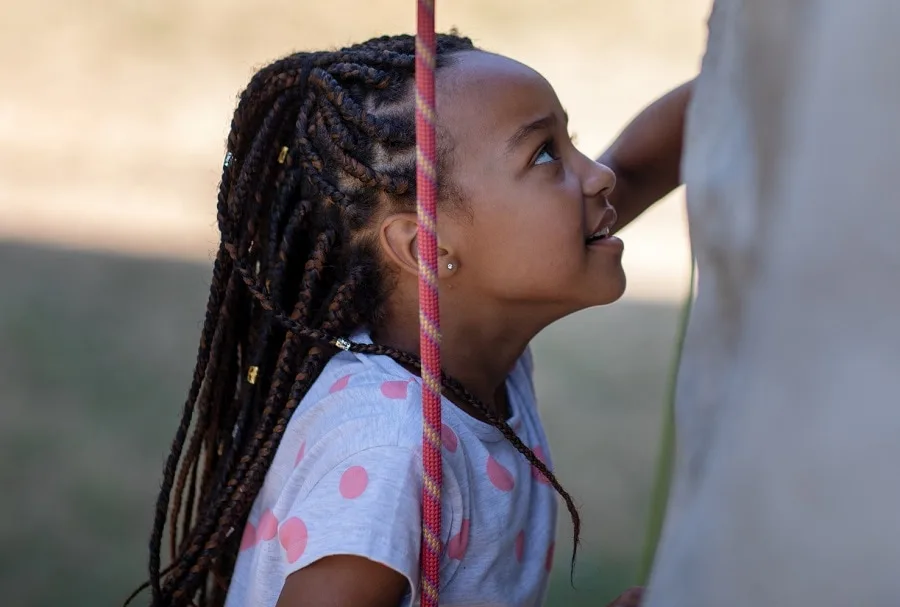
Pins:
x: 545, y: 154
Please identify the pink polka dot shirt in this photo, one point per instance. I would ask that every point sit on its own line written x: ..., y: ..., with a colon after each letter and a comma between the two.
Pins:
x: 347, y: 479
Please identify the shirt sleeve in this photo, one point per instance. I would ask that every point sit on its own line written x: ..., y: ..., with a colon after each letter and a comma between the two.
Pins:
x: 355, y: 485
x: 367, y: 506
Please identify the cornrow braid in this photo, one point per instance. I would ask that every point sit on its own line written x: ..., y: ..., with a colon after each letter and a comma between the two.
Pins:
x: 318, y: 143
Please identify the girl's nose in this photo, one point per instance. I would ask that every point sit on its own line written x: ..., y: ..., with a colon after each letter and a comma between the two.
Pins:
x: 599, y: 180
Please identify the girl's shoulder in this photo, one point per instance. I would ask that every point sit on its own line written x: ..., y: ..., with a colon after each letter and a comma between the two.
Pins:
x: 379, y: 404
x: 353, y: 413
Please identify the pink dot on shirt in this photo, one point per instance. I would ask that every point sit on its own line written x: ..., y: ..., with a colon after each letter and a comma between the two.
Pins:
x: 448, y: 438
x: 548, y: 564
x: 353, y: 482
x: 339, y: 384
x: 248, y: 540
x: 293, y: 537
x: 300, y: 453
x: 456, y: 547
x: 500, y: 477
x: 395, y: 389
x: 520, y: 546
x: 537, y: 474
x: 268, y: 527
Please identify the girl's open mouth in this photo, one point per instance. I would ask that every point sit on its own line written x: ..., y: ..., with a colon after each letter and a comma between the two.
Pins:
x: 598, y: 235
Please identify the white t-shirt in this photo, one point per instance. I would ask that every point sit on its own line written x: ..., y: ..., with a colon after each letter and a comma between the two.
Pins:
x: 347, y: 479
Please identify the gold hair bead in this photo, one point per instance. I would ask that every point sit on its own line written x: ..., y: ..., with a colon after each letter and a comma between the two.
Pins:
x: 251, y: 374
x: 282, y: 155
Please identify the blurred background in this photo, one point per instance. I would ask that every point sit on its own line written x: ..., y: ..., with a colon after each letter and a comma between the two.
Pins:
x: 113, y: 115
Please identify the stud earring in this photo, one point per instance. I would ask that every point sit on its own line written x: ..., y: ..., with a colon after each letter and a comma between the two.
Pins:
x: 450, y: 266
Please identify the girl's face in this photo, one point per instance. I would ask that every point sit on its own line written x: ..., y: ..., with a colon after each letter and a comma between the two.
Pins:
x: 533, y: 199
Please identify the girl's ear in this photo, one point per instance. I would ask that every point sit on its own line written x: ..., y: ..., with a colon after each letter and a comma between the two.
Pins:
x: 398, y: 238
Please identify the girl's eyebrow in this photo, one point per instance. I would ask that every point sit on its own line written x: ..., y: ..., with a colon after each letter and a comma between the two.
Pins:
x: 527, y: 130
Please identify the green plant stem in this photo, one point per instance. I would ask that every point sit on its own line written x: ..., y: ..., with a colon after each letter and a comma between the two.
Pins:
x: 660, y: 496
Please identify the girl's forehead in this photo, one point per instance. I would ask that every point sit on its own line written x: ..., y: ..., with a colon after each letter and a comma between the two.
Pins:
x: 483, y: 95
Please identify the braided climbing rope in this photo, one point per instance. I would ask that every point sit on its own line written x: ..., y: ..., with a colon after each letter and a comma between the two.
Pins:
x: 429, y: 312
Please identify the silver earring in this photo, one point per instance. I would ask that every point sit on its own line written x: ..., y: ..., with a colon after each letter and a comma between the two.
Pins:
x: 450, y: 266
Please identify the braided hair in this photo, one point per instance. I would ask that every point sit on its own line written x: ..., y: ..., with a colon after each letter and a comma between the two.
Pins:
x: 318, y: 141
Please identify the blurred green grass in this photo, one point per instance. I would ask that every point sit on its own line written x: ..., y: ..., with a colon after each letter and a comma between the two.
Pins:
x: 95, y: 356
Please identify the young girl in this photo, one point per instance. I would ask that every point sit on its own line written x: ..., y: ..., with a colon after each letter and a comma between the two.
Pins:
x: 301, y: 481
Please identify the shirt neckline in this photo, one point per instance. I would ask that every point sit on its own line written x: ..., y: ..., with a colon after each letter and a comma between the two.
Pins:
x: 483, y: 430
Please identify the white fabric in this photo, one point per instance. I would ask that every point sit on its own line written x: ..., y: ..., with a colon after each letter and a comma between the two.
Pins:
x: 787, y: 483
x: 346, y: 479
